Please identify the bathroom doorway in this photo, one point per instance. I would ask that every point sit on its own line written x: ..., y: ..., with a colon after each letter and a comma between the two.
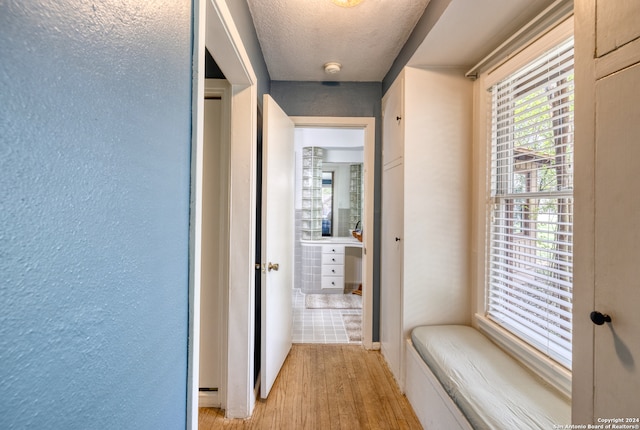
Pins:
x: 331, y: 301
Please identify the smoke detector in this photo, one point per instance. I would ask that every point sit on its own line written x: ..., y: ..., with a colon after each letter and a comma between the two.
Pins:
x: 332, y: 68
x: 347, y: 3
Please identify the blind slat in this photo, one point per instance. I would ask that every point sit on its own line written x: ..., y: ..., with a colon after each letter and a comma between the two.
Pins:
x: 532, y: 278
x: 547, y: 314
x: 527, y: 296
x: 512, y: 259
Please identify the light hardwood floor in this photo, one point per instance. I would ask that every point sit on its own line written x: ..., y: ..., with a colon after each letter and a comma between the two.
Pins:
x: 326, y: 387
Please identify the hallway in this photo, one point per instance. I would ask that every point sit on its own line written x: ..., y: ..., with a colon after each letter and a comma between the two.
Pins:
x: 326, y: 387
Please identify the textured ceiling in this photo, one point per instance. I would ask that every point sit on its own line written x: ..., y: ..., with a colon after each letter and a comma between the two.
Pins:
x: 299, y: 36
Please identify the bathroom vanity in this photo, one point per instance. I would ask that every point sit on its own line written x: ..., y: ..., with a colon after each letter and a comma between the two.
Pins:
x: 331, y: 265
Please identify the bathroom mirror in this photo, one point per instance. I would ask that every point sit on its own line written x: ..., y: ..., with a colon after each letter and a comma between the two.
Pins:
x: 341, y: 198
x: 329, y: 195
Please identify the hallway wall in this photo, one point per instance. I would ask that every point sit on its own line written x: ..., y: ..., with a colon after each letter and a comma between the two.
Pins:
x: 95, y: 136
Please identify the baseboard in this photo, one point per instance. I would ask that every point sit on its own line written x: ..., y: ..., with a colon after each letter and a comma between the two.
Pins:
x: 209, y: 399
x: 375, y: 346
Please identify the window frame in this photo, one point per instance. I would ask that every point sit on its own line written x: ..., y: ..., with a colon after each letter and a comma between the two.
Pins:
x: 547, y: 368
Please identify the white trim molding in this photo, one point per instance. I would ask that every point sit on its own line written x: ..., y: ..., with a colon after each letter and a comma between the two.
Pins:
x: 551, y: 372
x: 195, y: 216
x: 214, y: 28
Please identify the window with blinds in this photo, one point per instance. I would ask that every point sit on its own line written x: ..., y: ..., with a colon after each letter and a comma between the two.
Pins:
x: 531, y: 207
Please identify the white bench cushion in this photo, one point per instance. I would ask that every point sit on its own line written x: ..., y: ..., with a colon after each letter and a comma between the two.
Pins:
x: 490, y: 388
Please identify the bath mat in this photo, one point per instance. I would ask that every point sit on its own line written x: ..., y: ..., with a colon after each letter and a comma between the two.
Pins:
x: 353, y: 325
x: 333, y: 301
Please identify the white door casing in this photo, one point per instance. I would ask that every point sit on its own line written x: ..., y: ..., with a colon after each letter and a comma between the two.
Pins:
x: 278, y: 176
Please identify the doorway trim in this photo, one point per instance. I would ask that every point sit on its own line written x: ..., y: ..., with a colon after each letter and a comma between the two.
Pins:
x: 215, y: 29
x: 195, y: 211
x: 368, y: 124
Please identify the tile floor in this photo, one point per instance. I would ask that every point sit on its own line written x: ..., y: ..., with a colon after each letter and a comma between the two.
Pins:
x: 318, y: 325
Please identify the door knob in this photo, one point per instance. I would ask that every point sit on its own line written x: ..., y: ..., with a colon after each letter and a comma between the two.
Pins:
x: 273, y: 266
x: 598, y: 319
x: 397, y: 239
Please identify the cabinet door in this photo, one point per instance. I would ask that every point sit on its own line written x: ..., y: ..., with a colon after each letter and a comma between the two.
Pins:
x: 393, y: 123
x: 617, y: 252
x: 391, y: 270
x: 616, y: 24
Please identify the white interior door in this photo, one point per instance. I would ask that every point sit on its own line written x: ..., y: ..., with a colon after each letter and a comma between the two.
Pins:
x: 617, y: 238
x: 278, y: 177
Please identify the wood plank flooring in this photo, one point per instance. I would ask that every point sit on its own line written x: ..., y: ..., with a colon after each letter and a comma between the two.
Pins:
x: 326, y: 387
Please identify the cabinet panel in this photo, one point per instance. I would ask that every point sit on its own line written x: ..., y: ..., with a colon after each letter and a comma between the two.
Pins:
x: 333, y: 249
x: 332, y: 282
x: 333, y: 270
x: 333, y: 259
x: 391, y: 270
x: 617, y: 234
x: 616, y: 24
x: 392, y: 123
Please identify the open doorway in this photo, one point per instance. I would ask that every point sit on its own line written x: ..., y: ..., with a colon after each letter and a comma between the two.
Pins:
x: 345, y: 205
x: 329, y: 203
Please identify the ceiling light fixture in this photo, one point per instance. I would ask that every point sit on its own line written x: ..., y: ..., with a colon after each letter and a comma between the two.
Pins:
x: 332, y: 68
x: 347, y: 3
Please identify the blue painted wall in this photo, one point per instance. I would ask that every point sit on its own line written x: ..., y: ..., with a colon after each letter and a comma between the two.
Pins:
x: 244, y: 23
x: 357, y: 99
x: 95, y: 129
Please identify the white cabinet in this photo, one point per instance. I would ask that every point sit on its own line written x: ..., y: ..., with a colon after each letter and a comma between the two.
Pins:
x: 426, y: 129
x: 332, y: 267
x: 391, y: 273
x: 606, y: 247
x: 393, y: 129
x: 617, y: 274
x: 616, y: 24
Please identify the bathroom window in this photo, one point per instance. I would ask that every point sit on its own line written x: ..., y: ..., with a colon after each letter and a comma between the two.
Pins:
x: 327, y: 203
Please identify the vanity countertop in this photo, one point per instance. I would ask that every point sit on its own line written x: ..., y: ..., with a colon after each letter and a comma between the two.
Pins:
x: 347, y: 240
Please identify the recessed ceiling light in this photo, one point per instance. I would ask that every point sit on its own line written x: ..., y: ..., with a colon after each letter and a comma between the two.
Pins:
x: 347, y: 3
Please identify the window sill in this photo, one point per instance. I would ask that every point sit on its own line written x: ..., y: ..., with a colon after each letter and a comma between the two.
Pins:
x: 550, y: 371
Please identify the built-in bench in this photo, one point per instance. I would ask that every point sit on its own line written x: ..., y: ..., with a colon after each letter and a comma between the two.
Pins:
x: 456, y: 378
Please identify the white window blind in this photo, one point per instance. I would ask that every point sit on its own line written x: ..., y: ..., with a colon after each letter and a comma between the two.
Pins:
x: 531, y: 208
